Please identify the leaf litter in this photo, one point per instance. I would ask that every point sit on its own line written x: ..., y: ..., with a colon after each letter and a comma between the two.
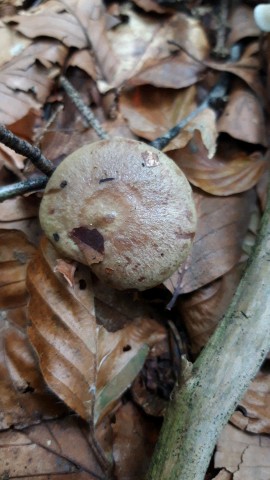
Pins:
x: 99, y: 355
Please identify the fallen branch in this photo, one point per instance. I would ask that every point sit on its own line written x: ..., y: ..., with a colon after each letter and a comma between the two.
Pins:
x: 14, y: 189
x: 212, y: 389
x: 24, y: 148
x: 86, y: 112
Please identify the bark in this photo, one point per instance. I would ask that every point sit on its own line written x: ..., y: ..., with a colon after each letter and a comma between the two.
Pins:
x: 211, y: 390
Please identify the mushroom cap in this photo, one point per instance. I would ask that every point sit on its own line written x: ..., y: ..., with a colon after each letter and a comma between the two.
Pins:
x: 122, y: 207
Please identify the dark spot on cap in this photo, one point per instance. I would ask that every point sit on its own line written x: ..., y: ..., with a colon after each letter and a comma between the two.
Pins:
x: 109, y: 179
x: 63, y: 184
x: 143, y: 164
x: 92, y: 238
x: 82, y: 284
x: 126, y: 348
x: 56, y: 237
x: 141, y: 279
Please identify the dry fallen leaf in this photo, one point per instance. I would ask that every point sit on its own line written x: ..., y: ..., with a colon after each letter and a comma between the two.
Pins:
x: 256, y: 404
x: 56, y: 449
x: 245, y: 455
x: 243, y: 116
x: 217, y: 247
x: 88, y: 367
x: 26, y: 83
x: 203, y: 309
x: 133, y: 432
x: 24, y: 397
x: 230, y: 171
x: 151, y: 112
x: 63, y: 330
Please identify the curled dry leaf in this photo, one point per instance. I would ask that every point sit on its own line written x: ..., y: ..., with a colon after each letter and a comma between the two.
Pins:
x: 24, y: 397
x: 12, y: 43
x: 76, y: 24
x: 151, y: 112
x: 230, y: 171
x: 146, y: 57
x: 217, y: 247
x: 243, y: 116
x: 256, y: 404
x: 247, y: 68
x: 245, y: 455
x: 79, y: 361
x: 24, y: 74
x: 242, y: 24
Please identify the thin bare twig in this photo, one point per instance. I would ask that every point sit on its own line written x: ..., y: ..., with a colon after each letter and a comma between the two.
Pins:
x: 24, y: 148
x: 220, y: 50
x: 85, y: 111
x: 219, y: 92
x: 9, y: 191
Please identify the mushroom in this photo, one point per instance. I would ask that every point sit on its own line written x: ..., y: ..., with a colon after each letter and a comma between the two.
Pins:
x: 262, y: 17
x: 122, y: 207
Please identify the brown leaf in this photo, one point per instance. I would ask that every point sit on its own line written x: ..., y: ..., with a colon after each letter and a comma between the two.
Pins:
x: 121, y: 357
x: 202, y: 309
x: 63, y: 330
x: 63, y: 333
x: 76, y: 24
x: 217, y: 247
x: 243, y: 116
x: 256, y: 404
x: 67, y: 268
x: 19, y: 208
x: 230, y: 171
x: 133, y: 432
x: 23, y: 75
x: 24, y: 397
x: 246, y: 456
x: 146, y: 57
x: 242, y: 24
x: 12, y: 43
x: 58, y: 450
x: 247, y: 68
x: 152, y: 6
x: 151, y: 112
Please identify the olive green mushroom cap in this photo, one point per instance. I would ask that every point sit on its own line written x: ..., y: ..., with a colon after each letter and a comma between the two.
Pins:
x: 123, y: 208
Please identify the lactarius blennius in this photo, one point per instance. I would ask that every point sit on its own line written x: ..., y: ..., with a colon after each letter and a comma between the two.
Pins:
x: 122, y: 207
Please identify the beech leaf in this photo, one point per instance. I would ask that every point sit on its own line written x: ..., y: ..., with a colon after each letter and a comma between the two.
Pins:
x: 230, y: 171
x: 63, y: 330
x: 24, y: 397
x: 217, y: 246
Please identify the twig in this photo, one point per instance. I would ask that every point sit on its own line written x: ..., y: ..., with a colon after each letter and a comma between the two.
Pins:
x: 220, y: 50
x: 85, y: 111
x: 220, y: 375
x: 24, y: 148
x: 25, y: 186
x: 217, y: 93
